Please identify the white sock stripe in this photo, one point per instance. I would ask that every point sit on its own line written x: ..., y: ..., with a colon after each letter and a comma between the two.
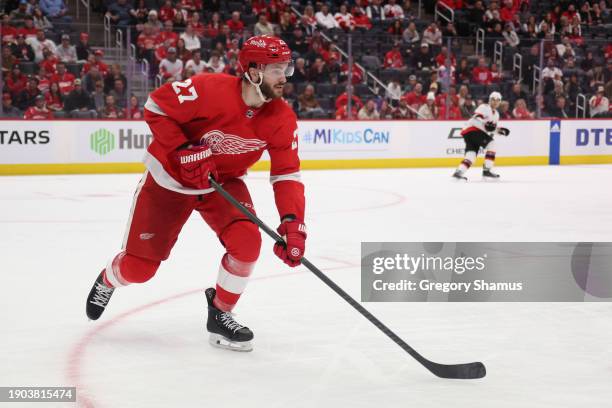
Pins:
x: 230, y: 282
x: 236, y: 267
x: 113, y: 275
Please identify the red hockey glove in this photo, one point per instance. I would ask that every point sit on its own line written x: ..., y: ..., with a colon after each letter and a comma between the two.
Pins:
x: 195, y: 164
x: 294, y: 234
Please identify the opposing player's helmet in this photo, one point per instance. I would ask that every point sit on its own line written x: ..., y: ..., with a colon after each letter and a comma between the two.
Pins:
x: 263, y: 50
x: 495, y: 96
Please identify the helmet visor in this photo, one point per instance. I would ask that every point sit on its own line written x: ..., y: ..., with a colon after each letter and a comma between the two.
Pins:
x: 278, y: 70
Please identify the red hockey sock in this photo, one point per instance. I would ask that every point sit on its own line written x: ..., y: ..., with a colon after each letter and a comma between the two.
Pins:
x: 125, y: 268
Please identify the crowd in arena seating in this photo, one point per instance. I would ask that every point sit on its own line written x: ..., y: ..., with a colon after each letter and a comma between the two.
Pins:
x: 428, y: 70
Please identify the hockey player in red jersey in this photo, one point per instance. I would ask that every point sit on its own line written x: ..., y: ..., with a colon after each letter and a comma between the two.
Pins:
x: 219, y: 125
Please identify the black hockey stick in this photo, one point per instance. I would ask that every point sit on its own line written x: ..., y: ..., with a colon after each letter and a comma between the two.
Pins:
x: 460, y: 371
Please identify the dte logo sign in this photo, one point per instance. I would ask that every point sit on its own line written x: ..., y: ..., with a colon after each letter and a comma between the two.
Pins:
x: 596, y: 137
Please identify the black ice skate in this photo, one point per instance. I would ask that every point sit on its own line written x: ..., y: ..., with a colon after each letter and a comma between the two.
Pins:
x: 488, y: 174
x: 224, y: 331
x: 459, y: 175
x: 98, y: 298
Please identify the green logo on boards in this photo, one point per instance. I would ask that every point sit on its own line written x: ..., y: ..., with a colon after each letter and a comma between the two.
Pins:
x: 102, y: 141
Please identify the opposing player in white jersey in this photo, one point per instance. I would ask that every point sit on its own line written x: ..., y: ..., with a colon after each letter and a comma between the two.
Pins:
x: 478, y: 133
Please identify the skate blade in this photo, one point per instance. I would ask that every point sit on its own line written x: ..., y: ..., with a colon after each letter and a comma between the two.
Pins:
x: 219, y: 341
x: 490, y: 179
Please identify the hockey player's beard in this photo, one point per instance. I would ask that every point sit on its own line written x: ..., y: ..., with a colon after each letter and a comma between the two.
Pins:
x: 269, y: 92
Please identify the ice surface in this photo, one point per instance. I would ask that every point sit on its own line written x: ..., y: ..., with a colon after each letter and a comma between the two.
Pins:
x: 150, y: 348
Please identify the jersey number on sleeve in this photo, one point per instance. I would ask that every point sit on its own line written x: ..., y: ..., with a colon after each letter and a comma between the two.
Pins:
x: 178, y: 86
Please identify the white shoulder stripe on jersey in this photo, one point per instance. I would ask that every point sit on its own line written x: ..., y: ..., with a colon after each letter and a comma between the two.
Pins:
x: 284, y: 177
x: 150, y: 105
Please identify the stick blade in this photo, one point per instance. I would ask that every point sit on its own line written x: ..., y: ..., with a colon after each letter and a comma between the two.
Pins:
x: 466, y: 371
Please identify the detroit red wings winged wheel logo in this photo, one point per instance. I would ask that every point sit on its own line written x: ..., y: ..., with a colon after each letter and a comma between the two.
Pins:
x: 224, y: 143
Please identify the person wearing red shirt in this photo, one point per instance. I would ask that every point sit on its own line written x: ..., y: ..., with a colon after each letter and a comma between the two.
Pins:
x: 213, y: 28
x: 342, y: 112
x: 507, y: 12
x: 481, y: 74
x: 16, y: 81
x: 235, y: 24
x: 393, y: 58
x: 441, y: 57
x: 50, y: 62
x: 167, y: 36
x: 361, y: 19
x: 357, y: 75
x: 415, y: 98
x: 167, y: 12
x: 454, y: 4
x: 454, y: 113
x: 215, y: 126
x: 39, y: 111
x: 197, y: 25
x: 54, y: 99
x: 63, y: 78
x: 28, y: 30
x: 8, y: 32
x: 44, y: 79
x: 343, y: 98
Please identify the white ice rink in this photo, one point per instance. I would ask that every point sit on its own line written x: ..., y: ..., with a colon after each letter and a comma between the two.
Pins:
x: 150, y: 347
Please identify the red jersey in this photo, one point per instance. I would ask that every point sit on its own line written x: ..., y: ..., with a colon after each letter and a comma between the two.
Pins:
x: 65, y: 82
x: 167, y: 35
x: 166, y: 13
x: 209, y: 108
x: 481, y: 75
x: 34, y: 113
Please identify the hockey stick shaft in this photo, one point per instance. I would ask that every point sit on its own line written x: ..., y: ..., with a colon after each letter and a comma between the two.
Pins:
x: 435, y: 368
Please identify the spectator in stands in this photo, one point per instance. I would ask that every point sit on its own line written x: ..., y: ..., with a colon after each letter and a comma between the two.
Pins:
x: 135, y: 111
x: 516, y: 92
x: 396, y: 30
x: 402, y: 111
x: 423, y: 60
x: 21, y: 50
x: 432, y: 35
x: 520, y: 110
x: 140, y: 12
x: 98, y: 96
x: 8, y: 60
x: 16, y: 81
x: 39, y: 111
x: 368, y: 111
x: 309, y: 19
x: 504, y: 110
x: 394, y: 91
x: 215, y: 64
x: 26, y: 98
x: 428, y: 110
x: 110, y: 110
x: 342, y: 113
x: 263, y: 26
x: 481, y: 74
x: 156, y: 24
x: 83, y: 49
x: 196, y: 63
x: 8, y: 110
x: 454, y: 112
x: 343, y: 98
x: 171, y: 68
x: 29, y: 30
x: 386, y: 111
x: 468, y: 107
x: 511, y: 38
x: 415, y: 97
x: 114, y: 74
x: 39, y: 43
x: 119, y: 13
x: 308, y: 105
x: 168, y: 35
x: 54, y: 98
x: 56, y: 11
x: 90, y: 79
x: 393, y: 58
x: 496, y: 74
x: 599, y: 104
x: 167, y: 11
x: 119, y: 93
x: 476, y: 15
x: 449, y: 30
x: 78, y: 103
x: 213, y: 28
x: 192, y: 42
x: 375, y: 11
x: 491, y: 16
x: 560, y: 110
x: 49, y: 62
x: 66, y: 52
x: 18, y: 15
x: 551, y: 71
x: 300, y: 74
x: 235, y: 24
x: 63, y: 78
x: 318, y: 71
x: 179, y: 20
x: 393, y: 10
x: 362, y: 22
x: 411, y: 36
x: 325, y: 19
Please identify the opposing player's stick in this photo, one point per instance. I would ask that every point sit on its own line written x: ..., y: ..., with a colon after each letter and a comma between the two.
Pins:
x: 462, y: 371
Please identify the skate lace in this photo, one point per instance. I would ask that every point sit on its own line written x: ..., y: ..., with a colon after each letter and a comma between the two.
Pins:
x: 228, y: 321
x: 102, y: 295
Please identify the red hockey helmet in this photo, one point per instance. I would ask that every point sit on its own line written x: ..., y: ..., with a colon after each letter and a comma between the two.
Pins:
x: 263, y: 50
